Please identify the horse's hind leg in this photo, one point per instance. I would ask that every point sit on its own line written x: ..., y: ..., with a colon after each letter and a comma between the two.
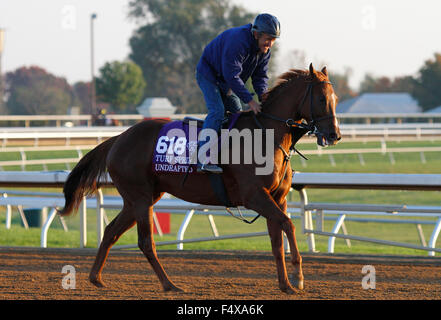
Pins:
x: 123, y: 221
x: 146, y: 243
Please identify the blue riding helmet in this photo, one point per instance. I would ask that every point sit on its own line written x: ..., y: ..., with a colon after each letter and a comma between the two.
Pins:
x: 267, y: 23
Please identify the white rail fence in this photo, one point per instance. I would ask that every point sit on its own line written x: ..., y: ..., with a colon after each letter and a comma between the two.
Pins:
x: 24, y: 161
x: 386, y: 130
x: 36, y: 134
x: 60, y: 120
x: 307, y: 212
x: 349, y: 131
x: 330, y: 153
x: 418, y: 182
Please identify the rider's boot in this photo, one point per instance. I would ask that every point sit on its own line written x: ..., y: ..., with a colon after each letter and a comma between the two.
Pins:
x: 207, y: 167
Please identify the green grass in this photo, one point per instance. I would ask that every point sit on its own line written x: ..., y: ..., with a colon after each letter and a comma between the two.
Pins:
x: 38, y: 155
x: 199, y: 226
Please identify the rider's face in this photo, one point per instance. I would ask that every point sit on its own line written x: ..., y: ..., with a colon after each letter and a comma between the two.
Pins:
x: 265, y: 41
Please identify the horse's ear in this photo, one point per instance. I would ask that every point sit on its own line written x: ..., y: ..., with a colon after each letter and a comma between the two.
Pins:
x: 324, y: 71
x: 312, y: 72
x: 311, y: 69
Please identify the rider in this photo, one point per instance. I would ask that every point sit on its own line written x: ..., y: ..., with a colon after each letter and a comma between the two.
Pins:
x: 227, y: 63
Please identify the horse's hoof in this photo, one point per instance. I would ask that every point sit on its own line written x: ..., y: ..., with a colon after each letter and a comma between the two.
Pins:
x: 97, y: 282
x: 298, y: 284
x: 288, y: 290
x: 173, y: 288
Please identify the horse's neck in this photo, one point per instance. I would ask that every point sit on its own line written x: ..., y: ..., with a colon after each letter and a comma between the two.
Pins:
x: 287, y: 103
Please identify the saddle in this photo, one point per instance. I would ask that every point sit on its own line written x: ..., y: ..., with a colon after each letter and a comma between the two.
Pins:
x: 175, y: 150
x: 199, y: 122
x: 226, y: 123
x: 216, y: 180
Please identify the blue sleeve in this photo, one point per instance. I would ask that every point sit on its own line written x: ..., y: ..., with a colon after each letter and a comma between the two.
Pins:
x: 260, y: 76
x: 234, y: 54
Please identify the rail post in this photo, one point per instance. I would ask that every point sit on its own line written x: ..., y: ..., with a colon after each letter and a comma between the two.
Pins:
x: 99, y: 216
x: 434, y: 236
x: 337, y: 226
x: 83, y: 223
x: 45, y: 229
x: 306, y: 220
x: 183, y: 227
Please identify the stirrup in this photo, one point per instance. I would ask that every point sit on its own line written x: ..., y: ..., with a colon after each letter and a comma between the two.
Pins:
x: 212, y: 168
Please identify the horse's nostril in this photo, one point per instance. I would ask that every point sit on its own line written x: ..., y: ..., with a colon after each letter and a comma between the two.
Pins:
x: 333, y: 136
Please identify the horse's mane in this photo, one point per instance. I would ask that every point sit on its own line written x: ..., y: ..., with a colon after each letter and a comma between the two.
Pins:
x: 282, y: 82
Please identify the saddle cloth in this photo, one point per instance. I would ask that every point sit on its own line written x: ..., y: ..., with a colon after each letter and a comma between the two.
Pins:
x: 176, y: 145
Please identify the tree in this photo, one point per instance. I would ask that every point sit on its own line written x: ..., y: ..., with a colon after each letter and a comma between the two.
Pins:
x: 170, y: 42
x: 403, y: 84
x: 373, y: 84
x: 82, y: 92
x: 427, y: 85
x: 32, y: 91
x: 340, y: 82
x: 296, y: 59
x: 121, y: 84
x: 385, y: 84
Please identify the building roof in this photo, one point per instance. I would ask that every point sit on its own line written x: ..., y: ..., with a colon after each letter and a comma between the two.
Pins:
x: 434, y: 110
x: 156, y: 107
x: 380, y: 103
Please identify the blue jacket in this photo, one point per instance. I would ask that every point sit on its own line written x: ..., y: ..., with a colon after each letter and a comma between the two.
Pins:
x: 232, y: 58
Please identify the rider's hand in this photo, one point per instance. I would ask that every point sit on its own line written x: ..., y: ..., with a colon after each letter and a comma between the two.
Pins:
x: 255, y: 106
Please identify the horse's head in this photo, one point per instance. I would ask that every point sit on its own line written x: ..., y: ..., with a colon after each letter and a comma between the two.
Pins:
x: 318, y: 108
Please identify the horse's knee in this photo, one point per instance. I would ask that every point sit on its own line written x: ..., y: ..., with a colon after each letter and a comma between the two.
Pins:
x: 144, y: 244
x: 147, y: 247
x: 109, y: 236
x: 287, y: 225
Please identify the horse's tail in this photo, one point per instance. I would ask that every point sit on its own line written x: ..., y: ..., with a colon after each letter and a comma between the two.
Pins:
x: 84, y: 179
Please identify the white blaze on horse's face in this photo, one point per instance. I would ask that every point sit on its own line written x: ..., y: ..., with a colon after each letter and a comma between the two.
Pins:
x: 329, y: 131
x: 333, y: 101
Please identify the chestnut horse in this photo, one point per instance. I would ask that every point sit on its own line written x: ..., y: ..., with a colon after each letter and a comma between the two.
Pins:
x: 299, y: 95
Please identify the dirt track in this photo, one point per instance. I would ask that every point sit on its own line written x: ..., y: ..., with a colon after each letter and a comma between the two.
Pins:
x: 35, y: 274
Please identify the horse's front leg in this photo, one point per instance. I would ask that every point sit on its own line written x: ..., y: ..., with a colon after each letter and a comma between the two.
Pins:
x: 278, y: 221
x: 275, y: 233
x: 296, y: 259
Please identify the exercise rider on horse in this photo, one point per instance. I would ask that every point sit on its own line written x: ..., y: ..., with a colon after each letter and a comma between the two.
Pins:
x: 227, y: 63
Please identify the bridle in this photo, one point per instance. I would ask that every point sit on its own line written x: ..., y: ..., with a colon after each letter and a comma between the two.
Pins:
x: 311, y: 127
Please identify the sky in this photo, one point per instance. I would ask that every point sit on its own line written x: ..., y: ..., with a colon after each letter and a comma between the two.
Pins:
x: 381, y: 37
